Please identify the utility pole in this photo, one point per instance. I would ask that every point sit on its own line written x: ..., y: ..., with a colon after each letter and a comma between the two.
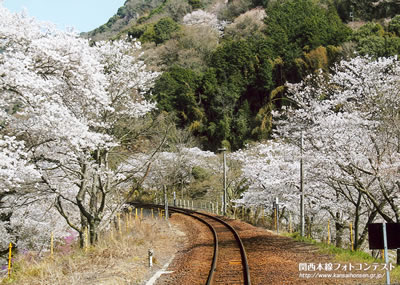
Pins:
x: 165, y: 202
x: 385, y: 246
x: 276, y: 207
x: 224, y: 166
x: 301, y: 188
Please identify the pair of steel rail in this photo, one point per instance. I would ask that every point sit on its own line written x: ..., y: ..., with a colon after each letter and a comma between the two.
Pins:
x: 195, y: 215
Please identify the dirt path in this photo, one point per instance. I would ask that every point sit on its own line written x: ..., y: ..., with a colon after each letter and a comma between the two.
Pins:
x: 272, y: 259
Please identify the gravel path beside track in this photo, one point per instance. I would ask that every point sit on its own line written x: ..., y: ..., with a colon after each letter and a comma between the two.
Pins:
x: 272, y: 259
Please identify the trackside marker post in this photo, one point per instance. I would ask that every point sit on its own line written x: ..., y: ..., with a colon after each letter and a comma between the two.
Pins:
x: 51, y: 244
x: 130, y: 216
x: 9, y: 260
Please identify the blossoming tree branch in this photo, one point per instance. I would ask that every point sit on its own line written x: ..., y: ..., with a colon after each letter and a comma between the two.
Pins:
x: 62, y: 105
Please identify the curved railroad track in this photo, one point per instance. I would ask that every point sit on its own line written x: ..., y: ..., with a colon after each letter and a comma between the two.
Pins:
x: 229, y: 264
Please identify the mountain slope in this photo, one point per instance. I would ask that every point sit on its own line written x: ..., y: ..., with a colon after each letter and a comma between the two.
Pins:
x: 225, y: 63
x: 144, y: 11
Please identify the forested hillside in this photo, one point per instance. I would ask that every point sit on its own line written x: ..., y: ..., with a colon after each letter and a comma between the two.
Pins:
x: 86, y: 125
x: 225, y: 63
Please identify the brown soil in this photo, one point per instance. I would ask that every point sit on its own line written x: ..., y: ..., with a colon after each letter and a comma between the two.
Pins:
x: 272, y: 259
x: 192, y: 263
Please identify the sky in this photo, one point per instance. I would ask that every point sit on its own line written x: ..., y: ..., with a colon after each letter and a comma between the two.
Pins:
x: 83, y: 15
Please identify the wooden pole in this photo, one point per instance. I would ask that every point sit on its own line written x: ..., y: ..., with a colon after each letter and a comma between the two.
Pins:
x: 351, y: 237
x: 329, y: 233
x: 119, y: 224
x: 301, y: 189
x: 9, y: 260
x: 86, y: 239
x: 263, y: 216
x: 130, y: 217
x: 51, y: 244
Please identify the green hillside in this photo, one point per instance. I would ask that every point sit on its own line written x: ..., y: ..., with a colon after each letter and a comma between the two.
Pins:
x: 225, y: 63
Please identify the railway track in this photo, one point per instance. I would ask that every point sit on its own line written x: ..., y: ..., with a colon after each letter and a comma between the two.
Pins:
x: 229, y: 263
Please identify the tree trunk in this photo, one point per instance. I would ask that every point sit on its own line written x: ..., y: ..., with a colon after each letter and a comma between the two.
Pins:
x: 93, y: 232
x: 357, y: 221
x: 84, y: 225
x: 308, y: 225
x: 81, y: 239
x: 359, y: 240
x: 339, y: 231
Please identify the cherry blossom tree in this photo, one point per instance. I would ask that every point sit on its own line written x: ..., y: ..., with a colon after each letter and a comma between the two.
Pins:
x: 272, y: 170
x: 69, y: 105
x: 350, y: 122
x: 16, y: 175
x: 200, y: 17
x: 172, y: 169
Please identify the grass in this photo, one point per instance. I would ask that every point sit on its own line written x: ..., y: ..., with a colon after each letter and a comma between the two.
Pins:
x: 346, y: 255
x: 116, y: 258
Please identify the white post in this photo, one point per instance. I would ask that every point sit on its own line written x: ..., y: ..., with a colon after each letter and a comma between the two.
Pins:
x: 385, y: 245
x: 277, y: 214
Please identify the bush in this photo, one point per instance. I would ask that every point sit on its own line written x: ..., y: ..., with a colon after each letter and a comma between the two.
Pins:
x: 196, y: 4
x: 163, y: 29
x: 394, y: 25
